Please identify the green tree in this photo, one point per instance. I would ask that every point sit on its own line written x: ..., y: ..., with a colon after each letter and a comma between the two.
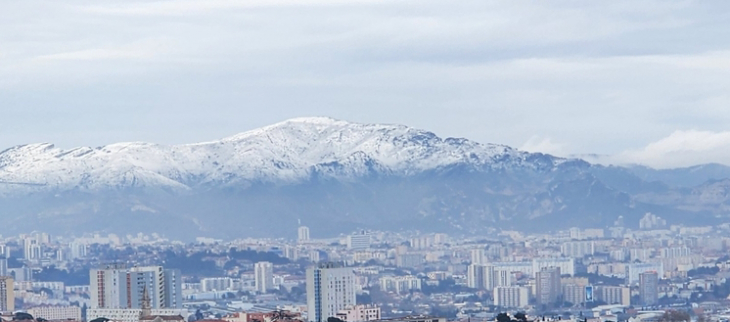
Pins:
x: 675, y: 316
x: 503, y: 317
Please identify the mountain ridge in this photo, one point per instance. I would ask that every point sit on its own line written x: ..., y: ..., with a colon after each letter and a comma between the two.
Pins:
x: 335, y: 175
x: 286, y: 151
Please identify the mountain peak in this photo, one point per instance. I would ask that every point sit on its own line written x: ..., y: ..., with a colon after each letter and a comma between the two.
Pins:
x: 285, y: 152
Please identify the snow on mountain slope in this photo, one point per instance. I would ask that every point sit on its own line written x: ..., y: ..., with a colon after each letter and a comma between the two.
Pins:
x: 284, y: 152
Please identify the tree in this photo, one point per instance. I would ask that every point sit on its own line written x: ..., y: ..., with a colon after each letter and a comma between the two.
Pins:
x: 503, y: 317
x: 101, y: 319
x: 520, y: 316
x: 21, y: 316
x: 675, y: 316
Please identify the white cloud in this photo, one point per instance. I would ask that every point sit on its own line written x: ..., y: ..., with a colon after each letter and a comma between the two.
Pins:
x: 680, y: 149
x: 597, y: 77
x: 543, y: 145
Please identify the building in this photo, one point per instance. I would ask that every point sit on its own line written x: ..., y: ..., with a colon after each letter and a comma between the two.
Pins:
x: 478, y: 256
x: 330, y: 289
x: 574, y: 293
x: 511, y: 296
x: 566, y: 265
x: 4, y: 267
x: 173, y: 288
x: 216, y: 284
x: 76, y: 250
x: 614, y: 295
x: 359, y: 241
x: 675, y: 252
x: 132, y: 315
x: 7, y: 294
x: 409, y: 260
x: 416, y: 318
x: 116, y: 287
x: 514, y: 267
x: 548, y: 288
x: 21, y: 274
x: 578, y: 249
x: 31, y: 249
x: 476, y: 276
x: 648, y: 288
x: 652, y: 221
x: 634, y: 269
x: 264, y: 276
x: 359, y: 313
x: 400, y: 284
x: 487, y: 277
x: 303, y: 234
x: 151, y: 278
x: 56, y: 312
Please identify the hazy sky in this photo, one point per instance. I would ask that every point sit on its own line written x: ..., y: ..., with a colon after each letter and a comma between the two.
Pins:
x: 641, y: 81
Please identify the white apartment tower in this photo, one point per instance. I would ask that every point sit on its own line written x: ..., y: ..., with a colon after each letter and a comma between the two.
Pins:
x: 303, y: 234
x: 359, y: 241
x: 511, y: 296
x: 330, y: 289
x: 116, y: 287
x: 487, y: 277
x: 264, y: 278
x: 477, y: 256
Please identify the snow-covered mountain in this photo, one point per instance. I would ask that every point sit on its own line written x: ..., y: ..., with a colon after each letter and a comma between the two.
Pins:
x: 287, y: 152
x: 332, y: 175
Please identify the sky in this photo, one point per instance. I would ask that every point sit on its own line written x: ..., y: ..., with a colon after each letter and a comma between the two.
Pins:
x: 643, y: 82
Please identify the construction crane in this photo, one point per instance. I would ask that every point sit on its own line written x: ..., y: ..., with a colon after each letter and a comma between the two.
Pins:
x: 22, y: 183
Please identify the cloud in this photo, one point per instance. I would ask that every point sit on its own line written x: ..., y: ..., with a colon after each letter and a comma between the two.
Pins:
x: 588, y: 77
x: 680, y: 149
x: 544, y: 145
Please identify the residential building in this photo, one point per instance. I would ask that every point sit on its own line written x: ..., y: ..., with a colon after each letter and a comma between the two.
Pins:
x: 359, y: 241
x: 578, y: 249
x: 566, y: 265
x: 7, y: 294
x: 56, y: 312
x: 614, y: 295
x: 548, y: 286
x: 216, y: 284
x: 634, y: 269
x: 511, y: 296
x: 400, y: 284
x: 478, y: 256
x: 648, y: 288
x: 487, y: 277
x: 575, y: 294
x: 303, y: 234
x: 359, y: 313
x: 264, y: 276
x: 116, y: 287
x: 330, y: 289
x: 131, y: 315
x: 409, y: 260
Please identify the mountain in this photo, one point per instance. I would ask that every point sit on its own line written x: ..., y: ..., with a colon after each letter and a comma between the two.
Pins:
x: 682, y: 177
x: 332, y: 175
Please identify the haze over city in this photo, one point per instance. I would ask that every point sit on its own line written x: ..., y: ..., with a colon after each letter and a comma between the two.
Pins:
x: 364, y: 161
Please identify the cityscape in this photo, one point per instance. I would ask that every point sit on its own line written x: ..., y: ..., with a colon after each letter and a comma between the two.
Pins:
x: 364, y: 161
x: 600, y: 274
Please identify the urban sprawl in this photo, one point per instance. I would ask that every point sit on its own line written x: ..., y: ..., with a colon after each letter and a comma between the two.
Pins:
x: 658, y: 272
